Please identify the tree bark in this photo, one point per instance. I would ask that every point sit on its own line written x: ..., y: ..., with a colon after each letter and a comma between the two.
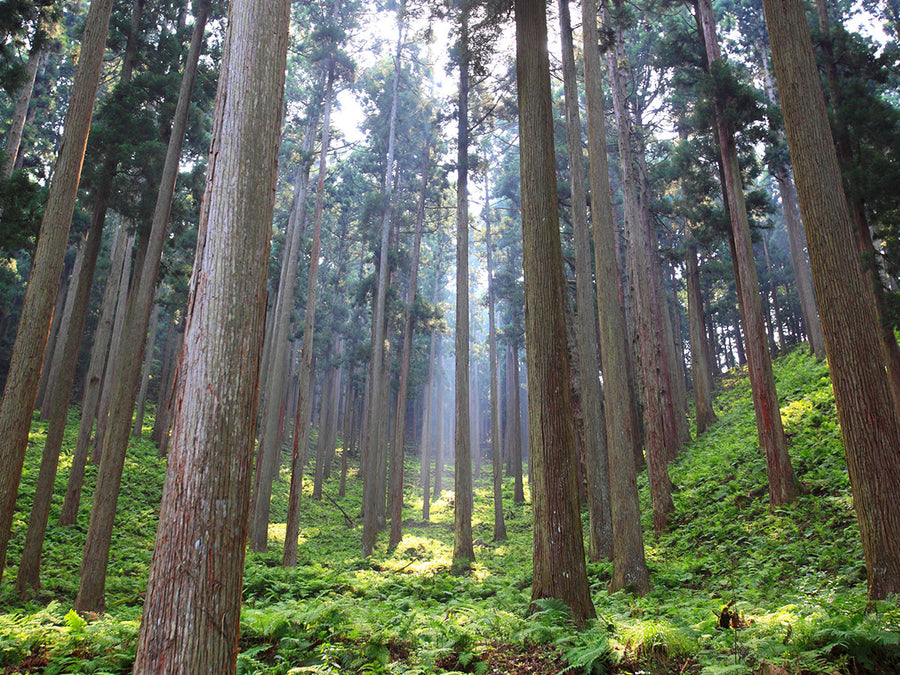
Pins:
x: 559, y: 563
x: 20, y: 111
x: 30, y: 562
x: 31, y: 338
x: 104, y: 393
x: 783, y: 484
x: 145, y: 374
x: 597, y: 461
x: 629, y: 565
x: 275, y: 374
x: 439, y: 435
x: 397, y: 452
x: 128, y: 361
x: 165, y: 381
x: 54, y: 358
x: 58, y: 308
x: 647, y: 306
x: 514, y: 422
x: 120, y: 266
x: 869, y: 423
x: 496, y: 439
x: 305, y: 384
x: 463, y: 549
x: 703, y: 381
x: 191, y: 621
x: 377, y: 391
x: 796, y: 238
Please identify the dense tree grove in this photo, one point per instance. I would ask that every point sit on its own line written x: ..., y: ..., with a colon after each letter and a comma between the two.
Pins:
x: 255, y: 225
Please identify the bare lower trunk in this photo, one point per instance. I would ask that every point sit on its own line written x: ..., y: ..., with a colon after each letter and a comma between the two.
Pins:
x: 647, y: 305
x: 397, y: 452
x: 166, y: 378
x: 58, y: 308
x: 514, y: 422
x: 496, y: 439
x: 30, y: 562
x: 275, y: 373
x: 378, y: 393
x: 305, y: 381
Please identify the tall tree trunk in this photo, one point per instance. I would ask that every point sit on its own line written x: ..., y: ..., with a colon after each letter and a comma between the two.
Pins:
x: 439, y: 434
x: 138, y: 425
x: 647, y: 305
x: 274, y: 375
x: 463, y: 549
x: 20, y: 111
x: 129, y: 273
x: 305, y: 383
x: 888, y: 340
x: 427, y: 441
x: 796, y: 238
x: 53, y: 358
x: 597, y: 461
x: 191, y: 621
x: 869, y: 423
x: 31, y: 338
x: 783, y: 484
x: 396, y: 491
x: 134, y: 337
x: 629, y: 565
x: 119, y: 269
x: 165, y: 381
x: 377, y: 392
x: 58, y: 308
x: 514, y: 421
x: 496, y: 439
x: 703, y: 382
x: 559, y: 564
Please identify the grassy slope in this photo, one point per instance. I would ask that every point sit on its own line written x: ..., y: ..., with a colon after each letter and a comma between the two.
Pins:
x: 795, y: 575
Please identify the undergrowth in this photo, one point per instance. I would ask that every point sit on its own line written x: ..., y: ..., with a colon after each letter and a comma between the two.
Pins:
x: 791, y: 579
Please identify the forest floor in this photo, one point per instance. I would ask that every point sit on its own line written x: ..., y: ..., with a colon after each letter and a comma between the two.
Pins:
x: 793, y: 576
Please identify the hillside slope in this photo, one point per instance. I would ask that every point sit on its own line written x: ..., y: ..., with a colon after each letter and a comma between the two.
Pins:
x: 792, y: 579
